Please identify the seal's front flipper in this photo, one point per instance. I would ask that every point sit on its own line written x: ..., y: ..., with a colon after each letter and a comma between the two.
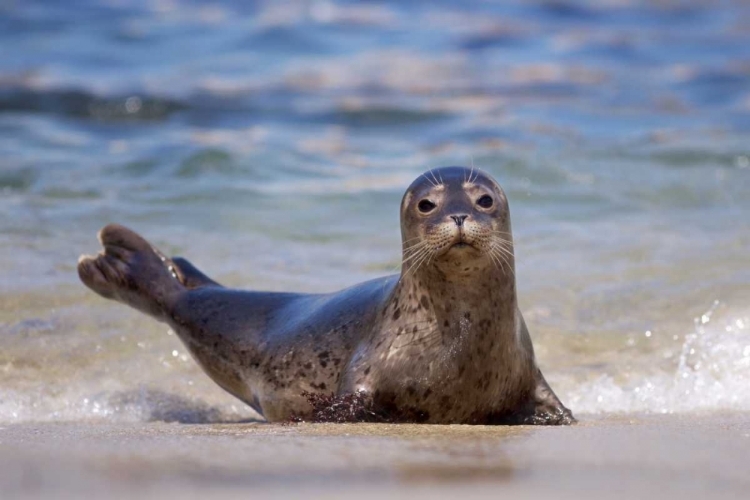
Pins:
x: 547, y: 409
x: 189, y: 275
x: 130, y: 271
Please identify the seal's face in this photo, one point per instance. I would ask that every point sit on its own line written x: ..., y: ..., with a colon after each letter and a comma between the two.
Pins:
x: 456, y: 215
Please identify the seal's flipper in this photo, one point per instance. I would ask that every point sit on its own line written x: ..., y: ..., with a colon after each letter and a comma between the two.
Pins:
x: 189, y: 275
x: 130, y: 271
x: 547, y: 407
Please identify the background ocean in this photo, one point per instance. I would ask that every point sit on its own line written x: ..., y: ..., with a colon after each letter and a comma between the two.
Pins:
x: 270, y: 143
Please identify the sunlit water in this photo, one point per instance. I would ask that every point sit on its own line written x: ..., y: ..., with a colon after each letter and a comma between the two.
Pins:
x: 270, y: 143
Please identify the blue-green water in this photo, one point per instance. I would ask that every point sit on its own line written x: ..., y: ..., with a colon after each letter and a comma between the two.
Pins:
x: 270, y: 143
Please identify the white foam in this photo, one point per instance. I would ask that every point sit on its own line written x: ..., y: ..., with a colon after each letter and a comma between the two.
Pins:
x: 139, y: 405
x: 712, y: 373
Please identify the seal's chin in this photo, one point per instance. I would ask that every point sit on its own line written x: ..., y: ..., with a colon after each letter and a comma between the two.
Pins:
x: 462, y: 248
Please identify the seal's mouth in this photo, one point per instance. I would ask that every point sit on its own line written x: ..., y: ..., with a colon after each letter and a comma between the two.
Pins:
x: 460, y: 242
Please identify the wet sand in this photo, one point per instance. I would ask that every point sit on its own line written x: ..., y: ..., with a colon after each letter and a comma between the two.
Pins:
x: 672, y: 456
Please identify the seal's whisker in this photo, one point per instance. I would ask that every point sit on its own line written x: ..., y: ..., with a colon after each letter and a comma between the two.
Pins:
x: 476, y: 174
x: 418, y: 262
x: 505, y: 258
x: 410, y: 252
x: 496, y: 258
x: 437, y: 183
x: 417, y: 257
x: 507, y: 245
x: 411, y: 239
x: 505, y: 233
x: 428, y: 179
x: 411, y: 266
x: 505, y: 250
x: 494, y: 261
x: 421, y: 242
x: 501, y: 241
x: 407, y: 256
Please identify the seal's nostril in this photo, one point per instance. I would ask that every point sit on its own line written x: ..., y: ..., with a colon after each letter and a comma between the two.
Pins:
x: 459, y: 219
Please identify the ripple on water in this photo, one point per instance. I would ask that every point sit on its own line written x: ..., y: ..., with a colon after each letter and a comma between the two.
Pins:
x: 19, y: 179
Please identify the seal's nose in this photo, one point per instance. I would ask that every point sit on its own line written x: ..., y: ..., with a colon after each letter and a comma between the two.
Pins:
x: 459, y: 219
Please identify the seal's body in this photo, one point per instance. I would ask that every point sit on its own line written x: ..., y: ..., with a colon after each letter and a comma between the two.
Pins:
x: 443, y: 342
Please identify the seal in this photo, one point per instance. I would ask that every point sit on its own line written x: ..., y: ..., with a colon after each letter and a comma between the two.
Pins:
x: 442, y: 342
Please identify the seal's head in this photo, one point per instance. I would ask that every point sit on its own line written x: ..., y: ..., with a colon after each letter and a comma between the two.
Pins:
x: 456, y: 217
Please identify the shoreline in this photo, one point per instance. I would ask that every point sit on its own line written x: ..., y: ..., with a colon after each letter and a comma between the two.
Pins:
x: 613, y: 456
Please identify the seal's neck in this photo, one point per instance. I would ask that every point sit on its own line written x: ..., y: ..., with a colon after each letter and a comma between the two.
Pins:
x: 456, y: 300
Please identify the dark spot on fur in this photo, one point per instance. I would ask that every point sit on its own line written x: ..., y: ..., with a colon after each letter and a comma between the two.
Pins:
x: 367, y: 371
x: 446, y: 323
x: 424, y: 301
x: 396, y: 314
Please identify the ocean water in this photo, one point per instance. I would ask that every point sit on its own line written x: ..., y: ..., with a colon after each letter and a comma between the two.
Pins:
x: 270, y: 143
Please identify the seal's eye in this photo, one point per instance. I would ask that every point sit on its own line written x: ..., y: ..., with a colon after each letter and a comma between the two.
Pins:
x: 485, y: 201
x: 426, y: 206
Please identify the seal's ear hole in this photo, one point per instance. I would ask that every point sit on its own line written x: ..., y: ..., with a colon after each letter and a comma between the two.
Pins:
x: 485, y: 201
x: 426, y: 206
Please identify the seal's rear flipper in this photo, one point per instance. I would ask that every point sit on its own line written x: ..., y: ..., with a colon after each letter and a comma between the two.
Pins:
x: 131, y: 271
x: 189, y: 275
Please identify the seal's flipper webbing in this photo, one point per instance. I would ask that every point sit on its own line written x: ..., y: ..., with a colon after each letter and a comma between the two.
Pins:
x: 189, y: 275
x: 130, y: 271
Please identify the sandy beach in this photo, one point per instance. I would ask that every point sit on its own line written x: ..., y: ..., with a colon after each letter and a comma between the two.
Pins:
x: 671, y: 456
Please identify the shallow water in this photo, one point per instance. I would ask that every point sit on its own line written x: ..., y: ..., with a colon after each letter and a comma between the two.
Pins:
x: 270, y: 143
